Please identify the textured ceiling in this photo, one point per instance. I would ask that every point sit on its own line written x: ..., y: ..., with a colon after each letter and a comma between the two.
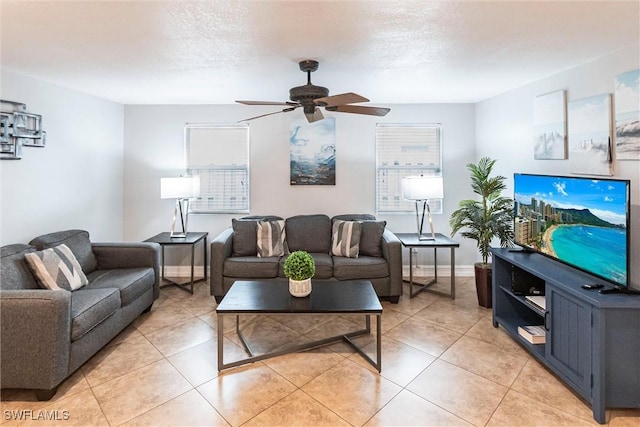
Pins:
x: 214, y: 52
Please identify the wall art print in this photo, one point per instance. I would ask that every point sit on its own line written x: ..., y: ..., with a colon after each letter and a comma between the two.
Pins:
x: 312, y: 152
x: 550, y: 126
x: 590, y: 135
x: 627, y: 108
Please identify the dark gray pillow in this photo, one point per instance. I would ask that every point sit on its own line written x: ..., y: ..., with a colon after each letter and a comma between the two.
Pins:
x: 244, y: 237
x: 371, y: 237
x: 76, y: 240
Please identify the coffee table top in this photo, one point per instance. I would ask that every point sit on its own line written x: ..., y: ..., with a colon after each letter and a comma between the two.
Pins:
x: 272, y: 296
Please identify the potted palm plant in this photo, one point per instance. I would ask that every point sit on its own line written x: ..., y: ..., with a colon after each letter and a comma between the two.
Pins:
x: 485, y: 220
x: 299, y: 267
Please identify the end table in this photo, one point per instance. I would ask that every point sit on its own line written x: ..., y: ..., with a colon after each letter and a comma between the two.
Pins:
x: 192, y: 239
x: 410, y: 240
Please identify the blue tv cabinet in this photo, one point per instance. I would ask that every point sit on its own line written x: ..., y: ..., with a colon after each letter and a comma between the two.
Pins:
x: 592, y: 340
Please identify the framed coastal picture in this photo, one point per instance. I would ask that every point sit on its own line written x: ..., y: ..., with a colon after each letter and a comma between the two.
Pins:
x: 312, y: 152
x: 627, y: 108
x: 590, y: 135
x: 550, y: 126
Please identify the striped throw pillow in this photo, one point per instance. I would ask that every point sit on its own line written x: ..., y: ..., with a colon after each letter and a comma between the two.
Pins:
x: 270, y: 238
x: 345, y: 238
x: 57, y: 268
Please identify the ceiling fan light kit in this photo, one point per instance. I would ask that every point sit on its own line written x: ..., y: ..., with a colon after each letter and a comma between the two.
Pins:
x: 310, y: 97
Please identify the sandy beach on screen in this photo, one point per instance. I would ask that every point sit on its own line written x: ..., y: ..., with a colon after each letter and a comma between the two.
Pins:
x: 547, y: 240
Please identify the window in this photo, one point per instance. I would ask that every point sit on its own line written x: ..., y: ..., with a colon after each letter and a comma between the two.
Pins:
x: 403, y: 150
x: 219, y: 154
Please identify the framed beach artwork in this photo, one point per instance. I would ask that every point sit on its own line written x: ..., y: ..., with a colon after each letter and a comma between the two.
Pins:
x: 627, y: 108
x: 590, y: 135
x: 550, y: 126
x: 312, y: 152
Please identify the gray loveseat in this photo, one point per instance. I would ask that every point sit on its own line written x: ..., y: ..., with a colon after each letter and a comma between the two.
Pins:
x: 47, y: 334
x: 234, y: 253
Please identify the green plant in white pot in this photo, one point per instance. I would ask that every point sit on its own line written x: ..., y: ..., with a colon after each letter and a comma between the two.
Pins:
x: 299, y: 267
x: 485, y: 220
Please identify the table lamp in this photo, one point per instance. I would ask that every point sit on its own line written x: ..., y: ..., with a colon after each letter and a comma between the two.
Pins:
x: 421, y: 189
x: 182, y: 189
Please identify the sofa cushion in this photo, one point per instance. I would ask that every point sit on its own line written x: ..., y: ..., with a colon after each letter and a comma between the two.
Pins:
x: 345, y: 238
x: 324, y: 266
x: 270, y: 238
x: 89, y: 307
x: 371, y: 238
x: 130, y: 282
x: 311, y: 233
x: 244, y: 234
x: 363, y: 267
x: 14, y: 271
x: 353, y: 217
x: 76, y: 240
x: 251, y: 267
x: 56, y: 269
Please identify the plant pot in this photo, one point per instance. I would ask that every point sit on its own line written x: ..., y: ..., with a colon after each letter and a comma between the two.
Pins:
x: 483, y: 284
x: 300, y: 288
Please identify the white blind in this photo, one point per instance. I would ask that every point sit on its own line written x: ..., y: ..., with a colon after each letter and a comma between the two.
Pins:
x: 219, y: 154
x: 403, y: 150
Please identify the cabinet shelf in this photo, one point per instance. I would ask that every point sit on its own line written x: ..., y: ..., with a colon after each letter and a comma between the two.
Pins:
x: 591, y: 339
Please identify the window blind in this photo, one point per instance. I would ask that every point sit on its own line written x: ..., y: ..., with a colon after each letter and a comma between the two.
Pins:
x: 219, y: 154
x: 404, y: 150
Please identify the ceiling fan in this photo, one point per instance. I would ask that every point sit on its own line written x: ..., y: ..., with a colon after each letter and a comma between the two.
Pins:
x: 310, y: 97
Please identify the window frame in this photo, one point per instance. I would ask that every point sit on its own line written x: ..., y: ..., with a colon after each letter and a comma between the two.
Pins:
x: 219, y: 169
x: 406, y: 206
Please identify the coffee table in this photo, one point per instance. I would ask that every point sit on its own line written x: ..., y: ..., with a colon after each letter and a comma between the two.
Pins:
x: 263, y: 297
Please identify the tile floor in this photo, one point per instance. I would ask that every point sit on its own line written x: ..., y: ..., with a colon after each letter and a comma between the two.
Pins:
x: 443, y: 365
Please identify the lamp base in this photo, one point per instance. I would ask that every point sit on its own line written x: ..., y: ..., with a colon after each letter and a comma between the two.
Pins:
x: 181, y: 216
x: 423, y: 238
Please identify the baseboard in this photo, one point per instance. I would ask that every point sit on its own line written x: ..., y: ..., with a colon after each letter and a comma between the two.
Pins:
x: 444, y: 270
x: 183, y: 271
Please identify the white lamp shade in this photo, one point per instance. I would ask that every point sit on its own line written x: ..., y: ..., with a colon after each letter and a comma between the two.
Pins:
x: 422, y: 187
x: 182, y: 187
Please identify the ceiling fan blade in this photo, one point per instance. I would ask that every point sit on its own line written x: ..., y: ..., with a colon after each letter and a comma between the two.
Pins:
x: 359, y: 109
x: 266, y: 103
x: 315, y: 116
x: 286, y: 110
x: 341, y: 99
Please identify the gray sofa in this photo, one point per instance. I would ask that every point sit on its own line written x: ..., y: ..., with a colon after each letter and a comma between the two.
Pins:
x: 47, y: 334
x: 234, y: 254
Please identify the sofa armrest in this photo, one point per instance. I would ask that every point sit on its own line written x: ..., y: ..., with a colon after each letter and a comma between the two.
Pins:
x: 221, y: 249
x: 129, y: 255
x: 35, y: 338
x: 392, y: 253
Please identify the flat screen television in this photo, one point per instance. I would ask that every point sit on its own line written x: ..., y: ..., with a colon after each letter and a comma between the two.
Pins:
x: 582, y: 222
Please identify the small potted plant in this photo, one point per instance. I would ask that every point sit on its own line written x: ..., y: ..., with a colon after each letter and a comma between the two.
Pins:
x: 299, y: 267
x: 489, y: 218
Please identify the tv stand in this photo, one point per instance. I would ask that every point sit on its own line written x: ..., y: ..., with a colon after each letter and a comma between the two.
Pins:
x: 618, y: 290
x: 592, y: 341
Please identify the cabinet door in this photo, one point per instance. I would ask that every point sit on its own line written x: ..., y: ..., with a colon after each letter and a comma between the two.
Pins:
x: 569, y: 339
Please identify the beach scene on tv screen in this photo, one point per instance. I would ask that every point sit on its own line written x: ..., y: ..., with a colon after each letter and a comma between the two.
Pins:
x: 577, y: 220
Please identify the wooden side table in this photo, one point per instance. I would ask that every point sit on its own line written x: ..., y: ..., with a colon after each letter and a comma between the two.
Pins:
x: 410, y: 240
x: 192, y: 239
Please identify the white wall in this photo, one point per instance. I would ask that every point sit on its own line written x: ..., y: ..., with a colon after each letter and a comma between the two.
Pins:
x: 154, y: 148
x: 504, y: 129
x: 76, y: 180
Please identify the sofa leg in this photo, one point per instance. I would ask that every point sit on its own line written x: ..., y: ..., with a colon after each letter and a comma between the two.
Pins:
x: 148, y: 309
x: 394, y: 300
x: 46, y: 394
